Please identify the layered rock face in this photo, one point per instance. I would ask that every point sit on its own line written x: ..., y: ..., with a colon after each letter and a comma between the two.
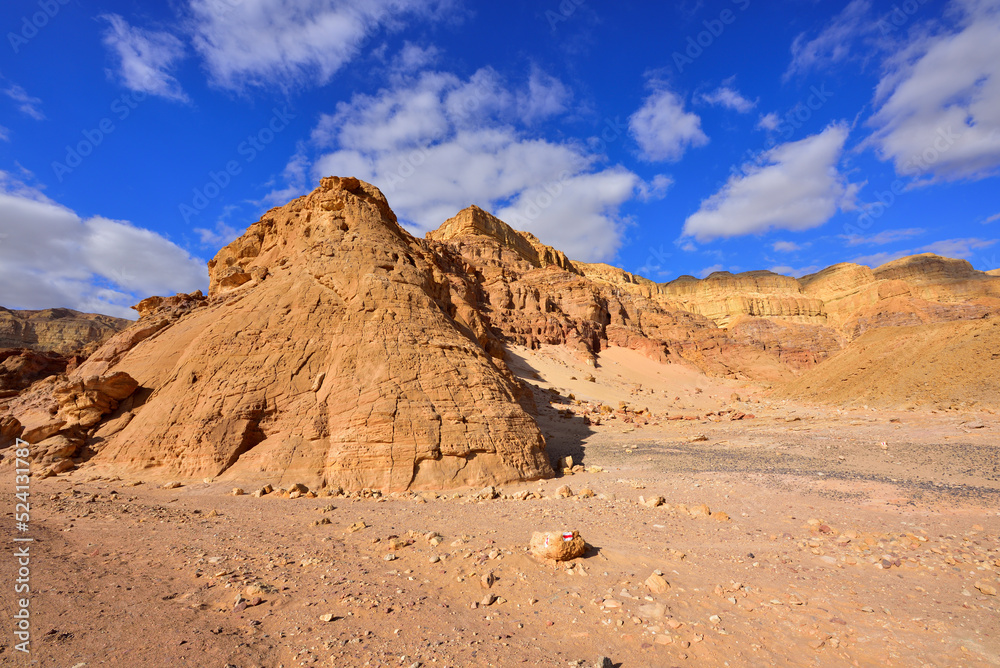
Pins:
x: 57, y: 330
x: 817, y: 315
x: 530, y: 294
x: 333, y: 348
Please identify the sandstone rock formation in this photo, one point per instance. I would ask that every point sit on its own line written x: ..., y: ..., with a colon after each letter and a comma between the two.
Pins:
x: 19, y: 368
x: 336, y: 349
x: 946, y: 365
x: 333, y: 349
x: 529, y: 294
x: 58, y: 330
x: 813, y: 318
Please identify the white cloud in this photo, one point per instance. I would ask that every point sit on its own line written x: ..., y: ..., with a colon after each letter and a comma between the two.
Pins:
x: 4, y: 133
x: 218, y: 237
x: 259, y: 42
x: 296, y: 179
x: 939, y: 118
x: 724, y: 96
x: 436, y: 143
x: 833, y: 44
x: 656, y: 188
x: 883, y: 238
x: 663, y: 129
x: 145, y: 58
x: 50, y: 257
x: 786, y: 246
x: 992, y: 219
x: 545, y: 96
x: 797, y: 187
x: 797, y: 272
x: 878, y: 259
x: 960, y: 248
x: 25, y: 103
x: 710, y: 270
x: 954, y: 248
x: 413, y: 58
x: 768, y: 121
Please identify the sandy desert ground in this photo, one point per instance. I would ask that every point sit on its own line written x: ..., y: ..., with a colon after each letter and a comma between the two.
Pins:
x: 789, y: 538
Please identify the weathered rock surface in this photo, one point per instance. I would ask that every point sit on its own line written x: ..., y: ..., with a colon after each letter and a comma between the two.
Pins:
x: 19, y: 368
x: 333, y: 349
x: 552, y: 545
x: 529, y: 294
x: 58, y: 330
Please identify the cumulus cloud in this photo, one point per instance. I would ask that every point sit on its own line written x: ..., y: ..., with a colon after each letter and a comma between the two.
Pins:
x: 25, y: 103
x: 663, y: 129
x: 724, y: 96
x: 938, y: 116
x: 796, y: 186
x: 145, y: 58
x: 50, y: 257
x: 833, y: 43
x: 436, y: 143
x: 260, y: 42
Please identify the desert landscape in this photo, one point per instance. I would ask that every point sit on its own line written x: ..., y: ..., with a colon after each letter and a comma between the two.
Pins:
x: 366, y: 448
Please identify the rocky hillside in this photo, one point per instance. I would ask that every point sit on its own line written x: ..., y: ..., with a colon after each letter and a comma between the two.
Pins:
x: 332, y: 349
x: 58, y: 330
x: 336, y: 349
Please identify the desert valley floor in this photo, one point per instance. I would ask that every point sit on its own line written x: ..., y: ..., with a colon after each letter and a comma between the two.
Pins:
x: 797, y: 536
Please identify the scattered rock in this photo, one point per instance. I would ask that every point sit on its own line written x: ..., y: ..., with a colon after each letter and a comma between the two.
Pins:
x: 553, y: 545
x: 171, y: 485
x: 987, y: 589
x: 657, y: 584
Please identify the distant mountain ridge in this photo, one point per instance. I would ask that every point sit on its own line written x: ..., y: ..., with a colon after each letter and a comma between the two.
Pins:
x: 59, y: 330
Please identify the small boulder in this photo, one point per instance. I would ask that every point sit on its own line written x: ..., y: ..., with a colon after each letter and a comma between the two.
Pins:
x: 554, y: 545
x: 657, y: 584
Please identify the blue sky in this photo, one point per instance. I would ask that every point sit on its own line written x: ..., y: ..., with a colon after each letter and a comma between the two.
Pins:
x: 666, y: 138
